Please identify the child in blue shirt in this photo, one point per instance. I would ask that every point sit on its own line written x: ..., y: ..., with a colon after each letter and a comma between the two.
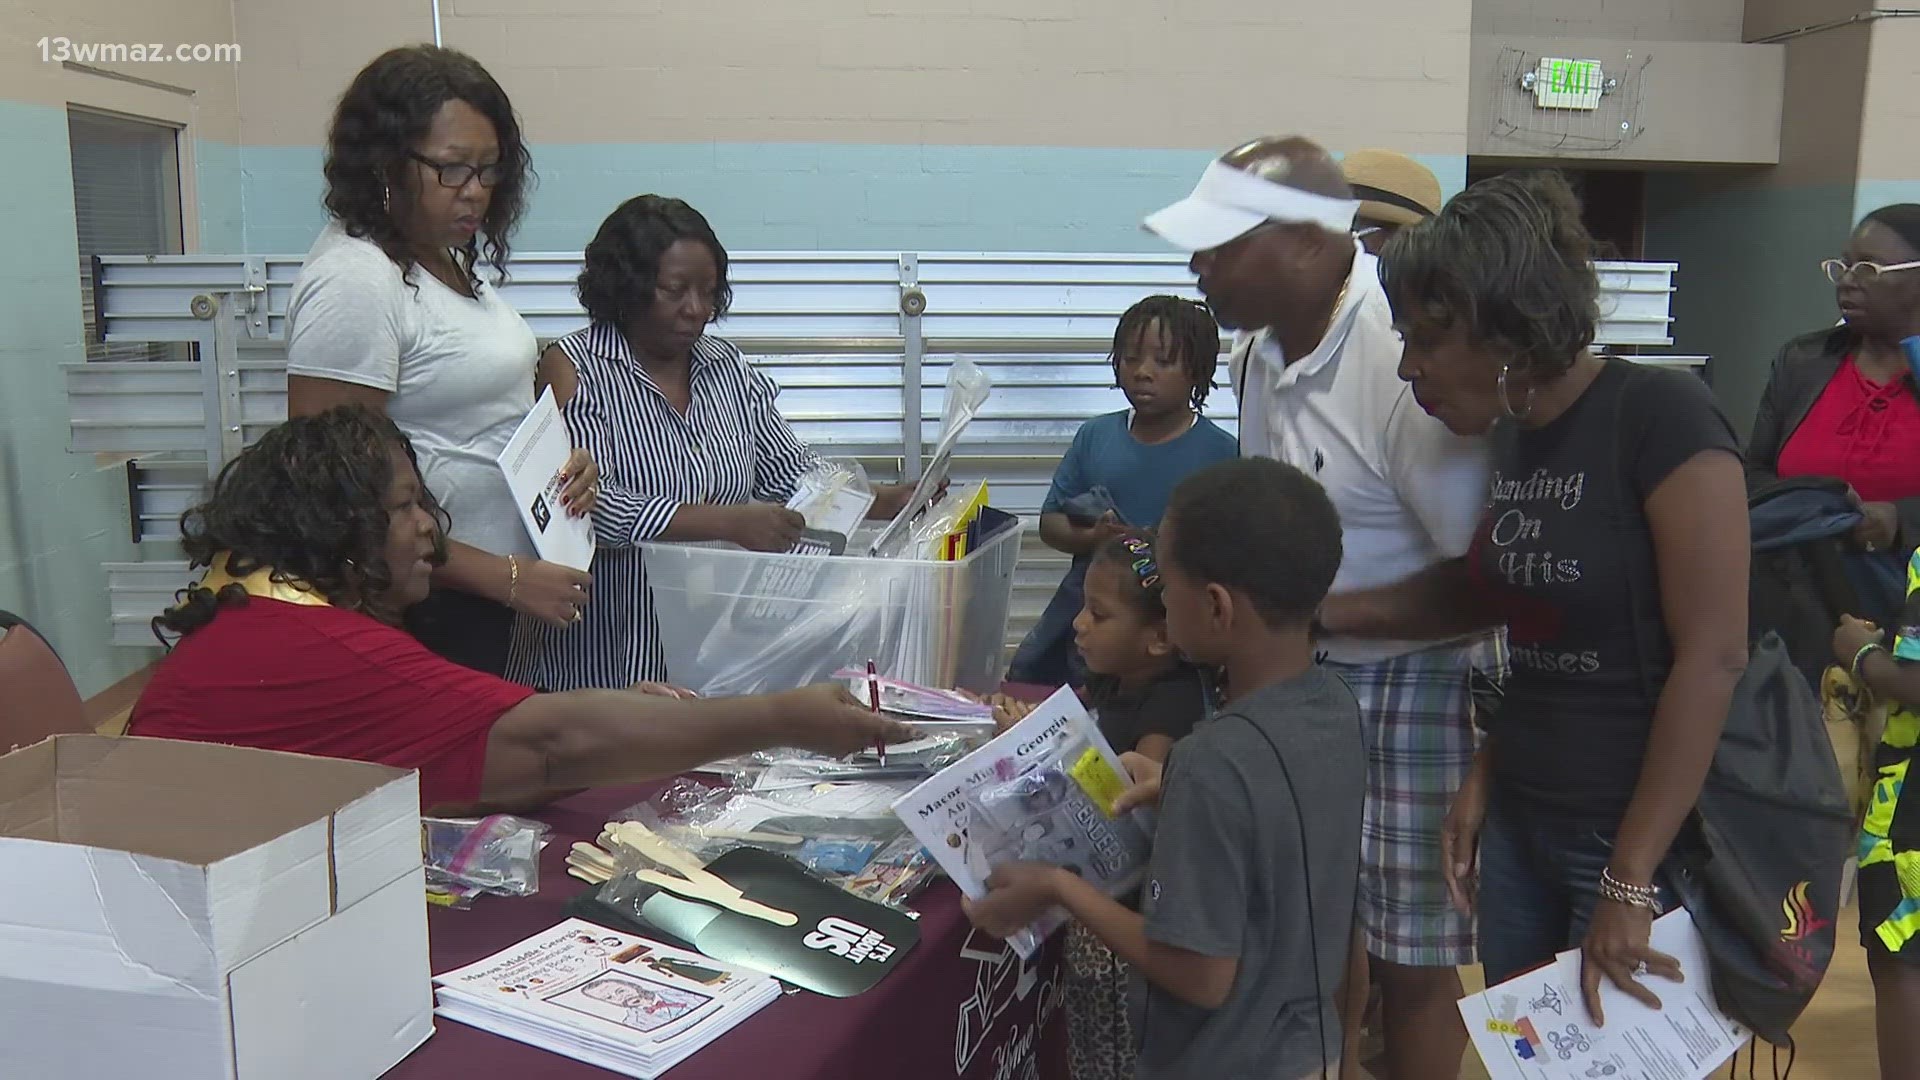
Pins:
x: 1122, y: 466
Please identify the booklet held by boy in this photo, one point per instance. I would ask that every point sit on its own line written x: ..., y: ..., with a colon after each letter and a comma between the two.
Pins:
x: 1041, y: 791
x: 624, y: 1003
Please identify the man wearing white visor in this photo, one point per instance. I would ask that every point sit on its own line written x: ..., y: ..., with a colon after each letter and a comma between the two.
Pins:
x: 1315, y: 368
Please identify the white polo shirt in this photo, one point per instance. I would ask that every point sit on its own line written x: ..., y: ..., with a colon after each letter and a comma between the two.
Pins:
x: 1409, y: 492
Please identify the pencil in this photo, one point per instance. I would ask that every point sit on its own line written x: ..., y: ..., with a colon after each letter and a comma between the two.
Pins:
x: 873, y: 699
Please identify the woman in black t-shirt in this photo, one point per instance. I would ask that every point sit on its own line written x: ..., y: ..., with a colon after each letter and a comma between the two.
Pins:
x: 1615, y: 550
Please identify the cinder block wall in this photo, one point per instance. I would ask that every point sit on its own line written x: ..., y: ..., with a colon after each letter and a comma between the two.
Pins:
x: 1631, y: 20
x: 936, y: 124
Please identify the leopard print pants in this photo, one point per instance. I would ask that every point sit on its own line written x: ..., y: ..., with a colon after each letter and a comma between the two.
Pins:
x: 1099, y: 1036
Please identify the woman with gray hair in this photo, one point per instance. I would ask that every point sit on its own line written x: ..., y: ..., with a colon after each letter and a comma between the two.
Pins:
x: 1614, y: 549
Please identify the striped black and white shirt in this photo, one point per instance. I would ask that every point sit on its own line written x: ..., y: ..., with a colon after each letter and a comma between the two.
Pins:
x: 731, y: 446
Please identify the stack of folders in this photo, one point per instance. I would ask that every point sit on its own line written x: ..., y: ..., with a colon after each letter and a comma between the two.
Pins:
x: 624, y: 1003
x: 954, y: 544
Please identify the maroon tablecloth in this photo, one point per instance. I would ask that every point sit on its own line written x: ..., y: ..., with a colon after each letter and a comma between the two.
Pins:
x: 962, y: 1005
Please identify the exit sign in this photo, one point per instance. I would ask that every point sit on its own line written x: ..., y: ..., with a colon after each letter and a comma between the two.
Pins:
x: 1567, y: 84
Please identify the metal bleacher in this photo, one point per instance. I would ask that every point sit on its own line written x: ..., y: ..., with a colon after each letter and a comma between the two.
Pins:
x: 860, y: 343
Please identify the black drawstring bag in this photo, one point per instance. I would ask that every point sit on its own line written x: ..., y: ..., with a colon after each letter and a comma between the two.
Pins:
x: 1774, y: 824
x: 1769, y: 834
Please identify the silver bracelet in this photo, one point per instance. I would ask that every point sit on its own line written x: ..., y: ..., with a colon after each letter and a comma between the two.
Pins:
x: 1640, y: 896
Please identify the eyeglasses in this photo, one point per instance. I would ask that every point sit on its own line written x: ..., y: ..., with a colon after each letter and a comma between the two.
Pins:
x: 456, y: 174
x: 1366, y: 231
x: 1866, y: 273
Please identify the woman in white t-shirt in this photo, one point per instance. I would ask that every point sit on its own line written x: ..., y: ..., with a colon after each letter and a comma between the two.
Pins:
x: 424, y: 158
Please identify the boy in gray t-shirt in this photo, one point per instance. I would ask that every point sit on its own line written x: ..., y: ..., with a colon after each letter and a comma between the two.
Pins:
x: 1246, y: 915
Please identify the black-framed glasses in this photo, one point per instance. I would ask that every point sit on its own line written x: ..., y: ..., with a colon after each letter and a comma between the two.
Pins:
x: 1864, y: 272
x: 456, y: 174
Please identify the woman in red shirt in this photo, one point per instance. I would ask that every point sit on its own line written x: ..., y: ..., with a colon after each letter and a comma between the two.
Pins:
x: 317, y: 539
x: 1842, y: 402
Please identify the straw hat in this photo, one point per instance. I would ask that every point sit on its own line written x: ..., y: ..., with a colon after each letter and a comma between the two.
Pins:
x: 1392, y: 188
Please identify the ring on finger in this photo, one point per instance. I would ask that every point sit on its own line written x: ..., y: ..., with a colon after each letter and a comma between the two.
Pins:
x: 1639, y: 969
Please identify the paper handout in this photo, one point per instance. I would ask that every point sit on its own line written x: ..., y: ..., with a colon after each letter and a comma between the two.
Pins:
x: 1041, y: 791
x: 625, y: 1003
x: 1536, y: 1027
x: 533, y: 461
x: 831, y: 502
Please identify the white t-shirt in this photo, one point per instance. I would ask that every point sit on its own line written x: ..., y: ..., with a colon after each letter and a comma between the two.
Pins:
x: 1409, y: 492
x: 460, y: 371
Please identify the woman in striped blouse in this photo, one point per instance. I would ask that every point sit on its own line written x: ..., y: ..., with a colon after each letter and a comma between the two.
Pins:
x: 686, y: 434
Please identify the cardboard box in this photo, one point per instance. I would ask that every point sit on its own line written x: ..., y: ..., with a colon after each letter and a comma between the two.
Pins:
x: 194, y: 911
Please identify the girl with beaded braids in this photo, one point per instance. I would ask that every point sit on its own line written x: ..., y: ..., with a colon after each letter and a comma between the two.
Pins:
x: 1146, y: 697
x: 1614, y: 548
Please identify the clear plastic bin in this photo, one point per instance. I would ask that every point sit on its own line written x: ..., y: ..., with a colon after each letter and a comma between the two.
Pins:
x: 741, y: 622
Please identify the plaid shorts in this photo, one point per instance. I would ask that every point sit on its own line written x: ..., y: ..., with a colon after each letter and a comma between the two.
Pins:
x: 1420, y: 742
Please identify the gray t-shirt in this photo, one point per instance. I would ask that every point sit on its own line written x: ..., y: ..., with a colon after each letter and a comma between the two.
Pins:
x: 459, y: 369
x: 1226, y: 879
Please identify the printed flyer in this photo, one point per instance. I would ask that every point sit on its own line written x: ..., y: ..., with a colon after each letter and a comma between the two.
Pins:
x: 1536, y: 1027
x: 1042, y: 791
x: 624, y: 1003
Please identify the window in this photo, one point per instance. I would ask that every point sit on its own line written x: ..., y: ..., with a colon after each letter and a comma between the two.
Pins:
x: 126, y: 201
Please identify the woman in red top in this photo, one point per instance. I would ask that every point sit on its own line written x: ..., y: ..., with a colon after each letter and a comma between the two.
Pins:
x: 317, y: 539
x: 1842, y: 402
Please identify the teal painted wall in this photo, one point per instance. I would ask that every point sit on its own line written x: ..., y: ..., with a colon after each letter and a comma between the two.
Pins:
x: 812, y: 197
x: 1871, y: 195
x: 1749, y: 275
x: 61, y: 515
x: 222, y: 202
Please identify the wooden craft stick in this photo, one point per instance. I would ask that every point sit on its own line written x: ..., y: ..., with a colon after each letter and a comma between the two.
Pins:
x: 588, y: 863
x: 593, y: 856
x: 591, y: 877
x: 747, y: 835
x: 729, y: 899
x: 638, y: 838
x: 599, y: 875
x: 592, y: 851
